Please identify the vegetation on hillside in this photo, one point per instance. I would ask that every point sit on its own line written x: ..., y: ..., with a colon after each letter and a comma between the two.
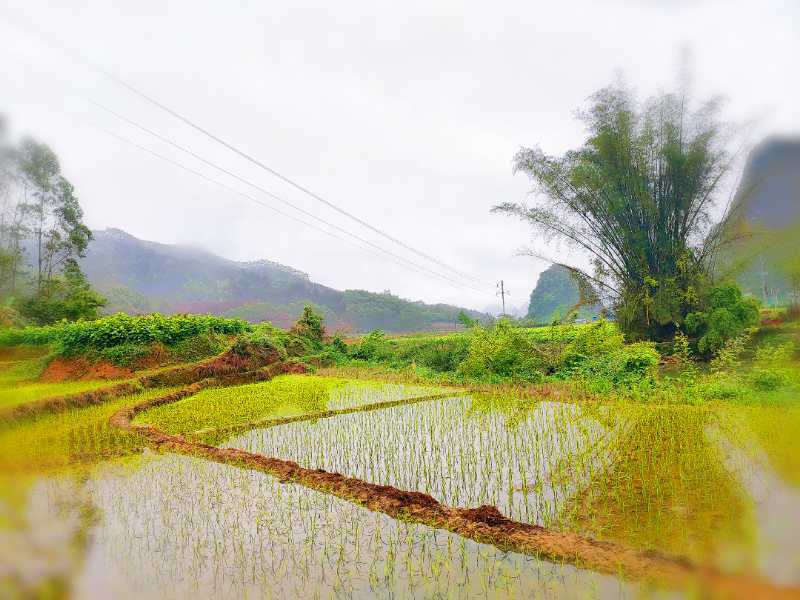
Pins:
x: 194, y: 281
x: 761, y: 250
x: 556, y: 297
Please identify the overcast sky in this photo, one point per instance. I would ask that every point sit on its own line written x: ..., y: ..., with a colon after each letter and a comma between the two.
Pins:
x: 406, y: 114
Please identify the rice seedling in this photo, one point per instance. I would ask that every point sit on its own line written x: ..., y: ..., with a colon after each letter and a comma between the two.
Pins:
x: 182, y: 527
x: 282, y: 396
x: 715, y: 483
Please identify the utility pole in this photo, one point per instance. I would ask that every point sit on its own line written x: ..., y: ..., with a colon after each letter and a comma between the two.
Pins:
x: 503, y: 293
x: 764, y: 289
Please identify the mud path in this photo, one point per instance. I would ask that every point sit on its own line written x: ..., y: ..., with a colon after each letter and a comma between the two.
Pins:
x: 484, y: 524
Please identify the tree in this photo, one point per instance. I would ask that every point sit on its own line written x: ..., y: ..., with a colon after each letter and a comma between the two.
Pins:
x: 635, y: 197
x: 68, y: 296
x: 310, y: 325
x: 12, y: 230
x: 53, y: 215
x: 40, y: 211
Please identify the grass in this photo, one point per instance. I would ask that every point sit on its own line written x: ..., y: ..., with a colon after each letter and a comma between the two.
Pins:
x: 59, y: 441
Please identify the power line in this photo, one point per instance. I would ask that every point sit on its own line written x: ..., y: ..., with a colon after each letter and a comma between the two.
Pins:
x: 263, y: 190
x: 396, y: 258
x: 51, y: 41
x: 280, y: 176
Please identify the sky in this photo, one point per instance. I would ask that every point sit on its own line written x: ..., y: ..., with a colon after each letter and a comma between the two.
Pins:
x: 406, y: 115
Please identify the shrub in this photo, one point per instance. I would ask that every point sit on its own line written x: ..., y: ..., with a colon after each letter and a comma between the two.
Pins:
x: 441, y: 355
x: 502, y: 351
x: 309, y: 326
x: 767, y: 379
x: 262, y: 342
x: 634, y: 365
x: 726, y: 315
x: 121, y: 329
x: 371, y: 345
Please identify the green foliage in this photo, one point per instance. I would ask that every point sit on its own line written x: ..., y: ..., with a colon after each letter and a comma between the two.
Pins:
x: 502, y: 351
x: 339, y: 344
x: 121, y: 329
x: 371, y: 346
x: 69, y: 297
x: 263, y: 340
x: 368, y: 311
x: 466, y: 320
x: 630, y: 366
x: 309, y: 326
x: 725, y: 315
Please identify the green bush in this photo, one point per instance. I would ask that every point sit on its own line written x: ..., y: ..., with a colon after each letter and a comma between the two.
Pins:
x: 767, y: 379
x: 121, y: 329
x: 441, y: 355
x: 264, y: 340
x: 372, y: 345
x: 502, y: 351
x: 309, y: 327
x: 628, y: 366
x: 726, y: 315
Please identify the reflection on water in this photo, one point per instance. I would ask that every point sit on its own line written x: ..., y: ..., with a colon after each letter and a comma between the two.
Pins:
x: 447, y: 448
x: 666, y: 487
x: 650, y: 477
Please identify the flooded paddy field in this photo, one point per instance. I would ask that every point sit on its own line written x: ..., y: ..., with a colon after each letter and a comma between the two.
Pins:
x: 183, y: 527
x: 687, y: 481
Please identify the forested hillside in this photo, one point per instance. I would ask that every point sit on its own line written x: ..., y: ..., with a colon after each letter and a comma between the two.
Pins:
x: 763, y: 252
x: 554, y: 295
x: 138, y: 276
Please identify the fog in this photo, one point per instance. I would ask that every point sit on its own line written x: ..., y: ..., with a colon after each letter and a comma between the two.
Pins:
x: 404, y: 114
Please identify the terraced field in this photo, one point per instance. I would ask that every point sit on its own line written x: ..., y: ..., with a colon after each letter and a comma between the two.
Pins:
x: 273, y: 485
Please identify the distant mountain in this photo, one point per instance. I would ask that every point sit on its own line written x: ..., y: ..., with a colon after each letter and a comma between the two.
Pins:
x: 554, y: 295
x: 138, y: 276
x: 763, y: 249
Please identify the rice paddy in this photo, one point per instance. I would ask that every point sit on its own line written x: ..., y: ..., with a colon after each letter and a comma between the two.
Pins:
x: 88, y: 510
x: 652, y: 478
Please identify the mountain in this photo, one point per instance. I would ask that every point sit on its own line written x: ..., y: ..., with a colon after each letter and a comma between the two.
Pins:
x: 763, y: 236
x: 554, y: 295
x: 138, y: 276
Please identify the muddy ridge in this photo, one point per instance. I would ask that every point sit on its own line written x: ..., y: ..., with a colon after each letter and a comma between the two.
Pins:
x: 313, y: 416
x: 484, y: 524
x: 226, y: 369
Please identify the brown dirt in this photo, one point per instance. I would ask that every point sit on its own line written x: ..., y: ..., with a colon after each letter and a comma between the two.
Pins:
x: 80, y: 369
x: 484, y: 524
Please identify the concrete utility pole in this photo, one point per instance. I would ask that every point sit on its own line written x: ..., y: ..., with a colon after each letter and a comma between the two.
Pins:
x: 503, y: 293
x: 764, y: 289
